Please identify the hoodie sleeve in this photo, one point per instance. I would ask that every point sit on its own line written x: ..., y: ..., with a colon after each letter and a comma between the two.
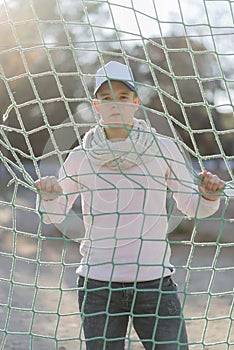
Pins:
x: 55, y: 211
x: 181, y: 182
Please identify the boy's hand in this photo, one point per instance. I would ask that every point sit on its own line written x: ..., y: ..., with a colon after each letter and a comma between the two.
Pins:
x: 211, y: 186
x: 48, y: 187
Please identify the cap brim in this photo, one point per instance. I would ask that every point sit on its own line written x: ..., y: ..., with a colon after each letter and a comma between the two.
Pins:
x: 129, y: 85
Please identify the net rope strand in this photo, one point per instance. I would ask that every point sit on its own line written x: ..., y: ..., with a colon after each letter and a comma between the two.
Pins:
x: 38, y: 292
x: 63, y: 44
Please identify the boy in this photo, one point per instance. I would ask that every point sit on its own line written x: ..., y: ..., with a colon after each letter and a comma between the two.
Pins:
x: 123, y: 170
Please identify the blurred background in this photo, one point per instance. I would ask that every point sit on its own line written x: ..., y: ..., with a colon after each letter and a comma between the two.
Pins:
x: 50, y: 51
x: 181, y: 53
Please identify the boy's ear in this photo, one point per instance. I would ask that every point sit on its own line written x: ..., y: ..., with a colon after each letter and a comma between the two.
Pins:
x: 137, y: 101
x: 96, y: 105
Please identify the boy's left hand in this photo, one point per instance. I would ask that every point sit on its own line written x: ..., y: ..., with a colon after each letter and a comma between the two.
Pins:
x: 211, y: 186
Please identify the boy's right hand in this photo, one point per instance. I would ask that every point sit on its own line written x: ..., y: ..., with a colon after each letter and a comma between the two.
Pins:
x: 48, y: 188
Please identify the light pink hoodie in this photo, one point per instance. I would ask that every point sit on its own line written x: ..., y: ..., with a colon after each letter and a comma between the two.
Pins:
x: 125, y: 215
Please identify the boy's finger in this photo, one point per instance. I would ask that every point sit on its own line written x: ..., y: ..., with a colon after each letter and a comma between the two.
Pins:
x: 48, y: 184
x: 37, y: 184
x: 221, y: 185
x: 202, y: 174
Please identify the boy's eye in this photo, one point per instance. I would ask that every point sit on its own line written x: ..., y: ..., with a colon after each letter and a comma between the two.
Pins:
x: 111, y: 98
x: 123, y: 98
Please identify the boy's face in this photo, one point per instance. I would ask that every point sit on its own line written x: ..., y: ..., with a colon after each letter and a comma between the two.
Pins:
x: 117, y: 104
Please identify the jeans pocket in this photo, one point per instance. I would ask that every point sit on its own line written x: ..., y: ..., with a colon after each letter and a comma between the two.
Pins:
x: 92, y: 295
x: 170, y: 305
x: 80, y: 282
x: 169, y: 285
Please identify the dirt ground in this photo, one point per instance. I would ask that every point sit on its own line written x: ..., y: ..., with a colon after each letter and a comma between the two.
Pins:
x: 38, y: 295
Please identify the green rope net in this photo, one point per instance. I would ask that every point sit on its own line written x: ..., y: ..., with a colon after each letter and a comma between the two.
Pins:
x: 181, y: 53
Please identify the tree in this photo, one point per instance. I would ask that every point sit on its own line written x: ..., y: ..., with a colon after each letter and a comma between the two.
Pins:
x: 50, y: 49
x: 44, y: 48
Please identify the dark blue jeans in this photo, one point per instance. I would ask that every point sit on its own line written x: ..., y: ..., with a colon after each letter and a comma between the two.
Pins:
x: 153, y: 307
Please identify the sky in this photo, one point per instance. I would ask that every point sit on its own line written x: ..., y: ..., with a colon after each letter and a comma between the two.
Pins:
x: 142, y: 16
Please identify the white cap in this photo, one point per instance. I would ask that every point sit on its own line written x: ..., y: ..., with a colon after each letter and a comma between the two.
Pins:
x: 114, y: 71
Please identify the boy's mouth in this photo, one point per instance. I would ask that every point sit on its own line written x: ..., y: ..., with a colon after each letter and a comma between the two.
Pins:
x: 114, y: 115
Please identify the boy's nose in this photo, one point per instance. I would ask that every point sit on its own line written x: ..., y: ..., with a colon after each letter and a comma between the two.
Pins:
x: 114, y: 105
